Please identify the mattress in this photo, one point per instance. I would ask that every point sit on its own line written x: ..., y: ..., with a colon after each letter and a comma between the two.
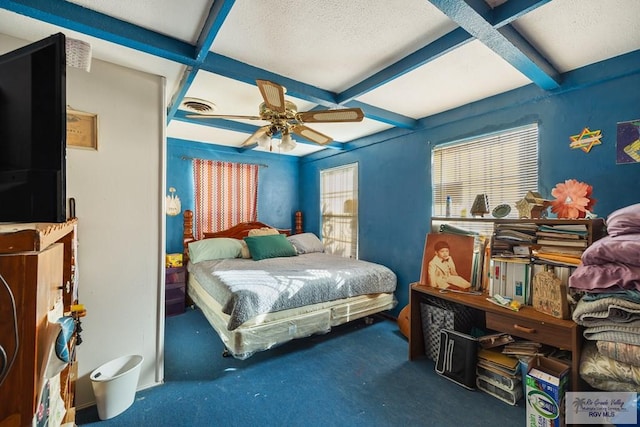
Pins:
x: 268, y: 330
x: 246, y: 288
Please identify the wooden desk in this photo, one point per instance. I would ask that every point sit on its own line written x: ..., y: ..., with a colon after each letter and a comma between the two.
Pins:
x: 526, y: 323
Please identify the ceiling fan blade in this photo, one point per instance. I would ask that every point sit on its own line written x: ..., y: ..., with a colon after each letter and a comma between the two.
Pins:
x: 310, y: 134
x: 254, y: 137
x: 222, y: 116
x: 342, y: 115
x: 273, y: 95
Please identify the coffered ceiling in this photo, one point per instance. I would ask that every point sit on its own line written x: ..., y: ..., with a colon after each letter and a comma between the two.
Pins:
x: 400, y: 61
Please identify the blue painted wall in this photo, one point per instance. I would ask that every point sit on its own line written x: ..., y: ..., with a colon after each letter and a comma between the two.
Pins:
x: 394, y: 167
x: 277, y: 183
x: 395, y: 182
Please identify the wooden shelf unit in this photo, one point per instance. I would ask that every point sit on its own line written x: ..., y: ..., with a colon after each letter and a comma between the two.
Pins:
x: 527, y: 323
x: 595, y: 227
x: 37, y: 261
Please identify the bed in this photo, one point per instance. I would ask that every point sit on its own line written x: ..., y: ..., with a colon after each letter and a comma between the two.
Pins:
x: 273, y: 297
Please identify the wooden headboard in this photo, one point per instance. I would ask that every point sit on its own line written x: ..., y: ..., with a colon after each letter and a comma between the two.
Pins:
x: 238, y: 231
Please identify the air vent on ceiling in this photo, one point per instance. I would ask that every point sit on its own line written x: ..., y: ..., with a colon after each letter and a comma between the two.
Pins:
x: 197, y: 105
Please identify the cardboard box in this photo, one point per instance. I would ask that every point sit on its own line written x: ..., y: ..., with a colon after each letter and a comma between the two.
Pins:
x: 173, y: 260
x: 547, y: 382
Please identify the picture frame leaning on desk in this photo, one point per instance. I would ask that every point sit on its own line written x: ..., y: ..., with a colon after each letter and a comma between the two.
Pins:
x: 447, y: 261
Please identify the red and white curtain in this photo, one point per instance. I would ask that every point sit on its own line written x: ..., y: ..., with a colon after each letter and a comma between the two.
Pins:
x: 225, y: 194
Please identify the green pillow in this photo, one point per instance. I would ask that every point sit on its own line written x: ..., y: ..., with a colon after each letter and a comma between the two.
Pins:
x: 276, y: 245
x: 215, y: 248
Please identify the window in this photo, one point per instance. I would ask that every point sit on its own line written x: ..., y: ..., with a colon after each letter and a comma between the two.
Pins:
x: 503, y: 165
x: 339, y: 205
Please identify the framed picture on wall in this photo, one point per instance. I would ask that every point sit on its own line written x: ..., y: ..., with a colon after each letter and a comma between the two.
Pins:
x: 82, y: 129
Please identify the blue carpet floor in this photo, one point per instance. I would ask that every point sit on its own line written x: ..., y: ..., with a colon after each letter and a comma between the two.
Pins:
x: 357, y: 375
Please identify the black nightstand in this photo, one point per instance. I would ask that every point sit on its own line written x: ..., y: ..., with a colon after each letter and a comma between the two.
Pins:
x: 174, y: 291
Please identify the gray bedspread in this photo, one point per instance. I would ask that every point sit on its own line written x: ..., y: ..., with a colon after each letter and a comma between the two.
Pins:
x: 246, y: 288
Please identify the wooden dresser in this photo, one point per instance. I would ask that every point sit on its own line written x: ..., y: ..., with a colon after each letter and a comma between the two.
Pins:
x: 38, y: 269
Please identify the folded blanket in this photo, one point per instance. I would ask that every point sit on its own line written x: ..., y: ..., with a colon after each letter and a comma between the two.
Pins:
x: 622, y: 352
x: 605, y: 277
x: 613, y: 332
x: 604, y: 373
x: 612, y: 310
x: 626, y: 294
x: 624, y: 249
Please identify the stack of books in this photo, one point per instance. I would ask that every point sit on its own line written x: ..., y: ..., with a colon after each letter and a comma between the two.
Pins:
x: 562, y: 243
x: 524, y: 348
x: 513, y: 240
x: 499, y: 375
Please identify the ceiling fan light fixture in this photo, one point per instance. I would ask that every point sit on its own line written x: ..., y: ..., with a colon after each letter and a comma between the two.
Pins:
x: 287, y: 144
x: 264, y: 140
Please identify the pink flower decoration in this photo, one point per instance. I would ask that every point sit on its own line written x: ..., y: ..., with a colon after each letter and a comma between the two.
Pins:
x: 573, y: 199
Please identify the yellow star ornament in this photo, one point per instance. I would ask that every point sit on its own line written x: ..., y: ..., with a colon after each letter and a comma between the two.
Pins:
x: 586, y: 139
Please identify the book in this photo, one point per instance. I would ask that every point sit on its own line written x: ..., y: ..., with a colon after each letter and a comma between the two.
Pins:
x: 514, y: 235
x: 498, y: 360
x: 495, y: 340
x: 525, y: 227
x: 567, y: 228
x: 559, y: 258
x: 563, y: 242
x: 560, y: 250
x: 559, y: 235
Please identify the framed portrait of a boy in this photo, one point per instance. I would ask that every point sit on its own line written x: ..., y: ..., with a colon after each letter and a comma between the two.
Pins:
x: 447, y: 261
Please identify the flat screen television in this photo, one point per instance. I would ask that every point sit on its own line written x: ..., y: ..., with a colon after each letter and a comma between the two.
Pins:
x: 33, y: 132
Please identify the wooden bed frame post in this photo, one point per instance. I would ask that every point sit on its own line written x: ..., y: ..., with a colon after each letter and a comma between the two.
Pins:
x: 298, y: 222
x: 187, y: 235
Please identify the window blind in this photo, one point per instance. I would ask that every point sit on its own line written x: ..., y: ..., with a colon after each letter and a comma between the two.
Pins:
x: 503, y: 165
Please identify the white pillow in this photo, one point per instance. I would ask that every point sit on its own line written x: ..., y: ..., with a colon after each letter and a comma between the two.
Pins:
x: 244, y: 253
x: 264, y: 231
x: 306, y: 243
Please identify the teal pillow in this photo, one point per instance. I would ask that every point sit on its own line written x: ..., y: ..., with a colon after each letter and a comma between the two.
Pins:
x: 276, y: 245
x: 215, y: 248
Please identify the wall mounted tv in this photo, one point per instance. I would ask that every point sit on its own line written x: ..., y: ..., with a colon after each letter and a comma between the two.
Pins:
x: 33, y: 132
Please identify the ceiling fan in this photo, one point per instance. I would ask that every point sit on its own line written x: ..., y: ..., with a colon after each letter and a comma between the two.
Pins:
x: 285, y: 119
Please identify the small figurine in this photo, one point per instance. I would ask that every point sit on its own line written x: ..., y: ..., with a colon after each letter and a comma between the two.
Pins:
x: 532, y: 205
x: 480, y: 205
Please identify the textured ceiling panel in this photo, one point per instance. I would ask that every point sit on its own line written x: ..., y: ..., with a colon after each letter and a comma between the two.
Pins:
x: 467, y: 74
x: 331, y: 44
x: 179, y: 19
x: 575, y: 33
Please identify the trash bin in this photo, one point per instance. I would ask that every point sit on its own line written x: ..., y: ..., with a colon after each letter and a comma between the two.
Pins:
x: 114, y: 385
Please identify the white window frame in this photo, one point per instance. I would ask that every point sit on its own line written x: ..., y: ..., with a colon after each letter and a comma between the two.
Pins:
x: 339, y: 210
